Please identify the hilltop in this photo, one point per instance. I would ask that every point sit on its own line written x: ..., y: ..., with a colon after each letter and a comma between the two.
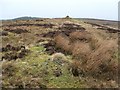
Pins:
x: 26, y: 18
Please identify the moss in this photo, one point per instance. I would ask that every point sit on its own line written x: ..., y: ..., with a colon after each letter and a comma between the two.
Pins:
x: 65, y: 81
x: 38, y: 48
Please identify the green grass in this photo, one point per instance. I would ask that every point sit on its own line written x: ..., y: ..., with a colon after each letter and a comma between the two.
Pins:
x: 37, y: 66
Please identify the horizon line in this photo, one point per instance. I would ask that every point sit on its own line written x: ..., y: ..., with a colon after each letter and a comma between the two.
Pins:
x: 59, y: 17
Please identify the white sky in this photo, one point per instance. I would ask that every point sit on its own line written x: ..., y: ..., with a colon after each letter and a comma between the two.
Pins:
x: 102, y: 9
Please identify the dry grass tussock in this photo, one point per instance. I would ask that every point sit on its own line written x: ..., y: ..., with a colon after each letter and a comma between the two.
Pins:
x: 102, y: 60
x: 96, y: 56
x: 63, y: 42
x: 81, y: 36
x: 80, y: 51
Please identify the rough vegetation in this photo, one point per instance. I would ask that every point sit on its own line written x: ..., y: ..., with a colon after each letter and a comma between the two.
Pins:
x: 59, y: 53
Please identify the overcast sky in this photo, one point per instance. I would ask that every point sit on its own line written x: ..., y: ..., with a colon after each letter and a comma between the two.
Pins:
x: 102, y: 9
